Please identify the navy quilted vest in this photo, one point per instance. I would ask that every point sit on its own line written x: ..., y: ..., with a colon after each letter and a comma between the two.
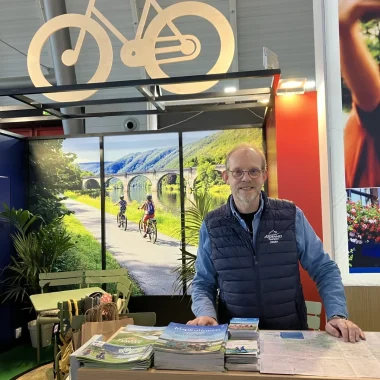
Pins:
x: 263, y: 280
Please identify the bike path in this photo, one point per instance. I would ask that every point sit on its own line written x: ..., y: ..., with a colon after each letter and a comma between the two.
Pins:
x: 150, y: 264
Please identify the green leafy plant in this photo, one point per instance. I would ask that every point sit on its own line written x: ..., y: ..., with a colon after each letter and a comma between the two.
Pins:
x: 21, y: 220
x: 194, y: 217
x: 37, y: 246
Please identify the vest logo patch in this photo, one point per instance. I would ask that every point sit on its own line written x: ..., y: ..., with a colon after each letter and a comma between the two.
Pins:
x: 273, y: 237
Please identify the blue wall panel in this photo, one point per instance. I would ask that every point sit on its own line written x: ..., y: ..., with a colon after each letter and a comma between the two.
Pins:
x: 12, y: 192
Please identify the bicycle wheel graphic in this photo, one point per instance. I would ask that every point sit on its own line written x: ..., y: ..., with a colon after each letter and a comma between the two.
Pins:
x: 70, y: 21
x: 207, y: 12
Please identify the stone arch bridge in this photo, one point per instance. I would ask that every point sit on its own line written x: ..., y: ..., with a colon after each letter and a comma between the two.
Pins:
x: 154, y: 176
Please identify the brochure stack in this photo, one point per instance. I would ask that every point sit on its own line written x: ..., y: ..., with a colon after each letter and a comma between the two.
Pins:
x: 242, y: 349
x: 192, y: 348
x: 129, y: 348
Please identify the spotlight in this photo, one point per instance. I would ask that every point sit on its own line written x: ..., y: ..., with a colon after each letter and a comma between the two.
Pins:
x: 292, y: 86
x: 230, y: 90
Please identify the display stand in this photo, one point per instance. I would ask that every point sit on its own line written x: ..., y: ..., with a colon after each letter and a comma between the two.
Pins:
x: 152, y: 374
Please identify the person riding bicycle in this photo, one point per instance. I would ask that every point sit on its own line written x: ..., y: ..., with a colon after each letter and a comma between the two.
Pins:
x: 122, y: 208
x: 149, y: 209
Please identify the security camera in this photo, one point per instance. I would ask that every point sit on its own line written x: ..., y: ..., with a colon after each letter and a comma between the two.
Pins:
x: 131, y: 124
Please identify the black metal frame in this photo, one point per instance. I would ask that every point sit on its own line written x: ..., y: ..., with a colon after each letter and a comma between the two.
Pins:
x: 42, y: 112
x: 33, y: 111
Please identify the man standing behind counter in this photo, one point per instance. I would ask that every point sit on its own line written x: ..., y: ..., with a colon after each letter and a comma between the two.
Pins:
x: 250, y: 249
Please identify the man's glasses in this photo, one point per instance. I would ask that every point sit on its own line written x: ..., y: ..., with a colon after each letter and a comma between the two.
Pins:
x: 239, y: 174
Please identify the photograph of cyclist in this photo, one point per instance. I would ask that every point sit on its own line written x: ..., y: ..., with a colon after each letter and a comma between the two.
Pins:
x: 144, y: 169
x: 122, y: 209
x: 149, y: 211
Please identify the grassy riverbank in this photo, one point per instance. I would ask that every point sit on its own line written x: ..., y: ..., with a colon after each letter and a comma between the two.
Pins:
x: 167, y: 223
x: 86, y: 253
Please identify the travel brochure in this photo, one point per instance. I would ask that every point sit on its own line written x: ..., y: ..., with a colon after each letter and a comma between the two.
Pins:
x: 130, y: 347
x: 244, y: 324
x: 244, y: 328
x: 188, y: 339
x: 242, y: 347
x: 191, y: 348
x: 105, y: 352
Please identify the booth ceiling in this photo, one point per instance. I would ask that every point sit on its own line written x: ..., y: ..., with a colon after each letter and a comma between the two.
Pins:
x: 285, y: 27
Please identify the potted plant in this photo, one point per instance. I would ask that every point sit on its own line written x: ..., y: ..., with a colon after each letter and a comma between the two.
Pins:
x: 37, y: 247
x: 194, y: 216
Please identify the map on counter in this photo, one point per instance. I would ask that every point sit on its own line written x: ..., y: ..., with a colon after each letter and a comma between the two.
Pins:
x: 319, y: 354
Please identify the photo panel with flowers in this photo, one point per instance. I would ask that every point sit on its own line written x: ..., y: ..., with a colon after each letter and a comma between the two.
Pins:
x: 363, y: 226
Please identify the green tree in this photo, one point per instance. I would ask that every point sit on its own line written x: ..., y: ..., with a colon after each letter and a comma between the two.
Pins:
x: 52, y: 172
x: 87, y: 173
x: 207, y: 176
x: 193, y: 162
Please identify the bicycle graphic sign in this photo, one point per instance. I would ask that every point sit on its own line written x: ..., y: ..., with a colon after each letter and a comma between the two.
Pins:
x: 142, y: 51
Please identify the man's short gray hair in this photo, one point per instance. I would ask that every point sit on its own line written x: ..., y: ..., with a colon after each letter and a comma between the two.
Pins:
x: 252, y: 147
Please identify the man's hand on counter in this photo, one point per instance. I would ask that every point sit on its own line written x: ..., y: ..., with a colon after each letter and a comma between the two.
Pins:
x: 203, y: 321
x: 347, y: 330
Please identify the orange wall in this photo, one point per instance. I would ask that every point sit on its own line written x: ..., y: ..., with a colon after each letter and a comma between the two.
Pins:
x: 298, y: 176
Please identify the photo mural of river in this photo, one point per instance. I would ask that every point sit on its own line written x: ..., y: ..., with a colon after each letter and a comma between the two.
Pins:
x: 168, y: 201
x: 135, y: 166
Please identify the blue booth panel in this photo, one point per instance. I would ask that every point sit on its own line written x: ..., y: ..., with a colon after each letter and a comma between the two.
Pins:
x: 12, y: 193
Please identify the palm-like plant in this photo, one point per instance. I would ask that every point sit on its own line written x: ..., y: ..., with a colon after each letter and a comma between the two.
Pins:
x: 37, y: 250
x: 194, y: 217
x: 21, y: 220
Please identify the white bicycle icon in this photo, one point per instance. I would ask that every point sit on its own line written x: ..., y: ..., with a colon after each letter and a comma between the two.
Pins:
x: 141, y: 51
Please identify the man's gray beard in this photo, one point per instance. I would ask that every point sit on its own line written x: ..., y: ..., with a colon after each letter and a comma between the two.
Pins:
x: 248, y: 201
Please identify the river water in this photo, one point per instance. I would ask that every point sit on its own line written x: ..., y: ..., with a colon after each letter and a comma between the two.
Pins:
x: 168, y: 201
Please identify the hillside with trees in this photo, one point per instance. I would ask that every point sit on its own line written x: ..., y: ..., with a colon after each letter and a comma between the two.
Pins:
x: 211, y: 149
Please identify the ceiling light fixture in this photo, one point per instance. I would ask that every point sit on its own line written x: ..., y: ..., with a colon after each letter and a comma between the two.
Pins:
x: 291, y: 86
x: 230, y: 90
x: 288, y: 84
